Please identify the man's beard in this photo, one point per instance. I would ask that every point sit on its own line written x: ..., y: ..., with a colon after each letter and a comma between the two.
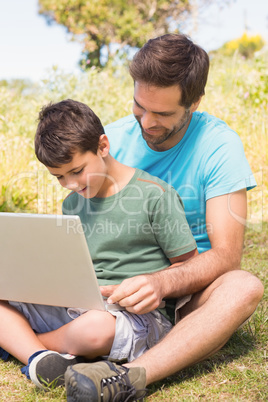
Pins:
x: 157, y: 140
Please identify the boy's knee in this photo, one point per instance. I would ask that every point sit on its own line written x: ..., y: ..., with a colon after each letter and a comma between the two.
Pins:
x: 96, y: 327
x: 90, y: 335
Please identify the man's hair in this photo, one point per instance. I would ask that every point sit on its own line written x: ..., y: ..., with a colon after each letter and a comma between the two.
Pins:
x: 65, y: 128
x: 172, y: 59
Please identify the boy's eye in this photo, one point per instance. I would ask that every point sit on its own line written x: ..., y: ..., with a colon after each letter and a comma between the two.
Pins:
x: 79, y: 171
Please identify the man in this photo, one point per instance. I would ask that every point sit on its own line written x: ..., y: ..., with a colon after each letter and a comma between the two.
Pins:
x: 204, y: 160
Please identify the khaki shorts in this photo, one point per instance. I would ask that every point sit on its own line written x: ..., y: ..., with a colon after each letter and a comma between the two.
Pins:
x: 134, y: 334
x: 179, y: 304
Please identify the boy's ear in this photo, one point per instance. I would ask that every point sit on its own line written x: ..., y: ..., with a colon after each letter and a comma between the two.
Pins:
x: 104, y: 145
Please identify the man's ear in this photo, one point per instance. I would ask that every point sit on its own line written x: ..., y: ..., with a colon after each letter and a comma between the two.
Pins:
x: 104, y: 145
x: 195, y: 105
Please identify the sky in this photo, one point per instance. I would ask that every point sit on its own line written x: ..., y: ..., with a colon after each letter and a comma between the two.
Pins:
x: 29, y: 47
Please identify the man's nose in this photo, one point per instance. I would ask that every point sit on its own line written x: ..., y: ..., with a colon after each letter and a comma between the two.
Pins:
x: 148, y: 120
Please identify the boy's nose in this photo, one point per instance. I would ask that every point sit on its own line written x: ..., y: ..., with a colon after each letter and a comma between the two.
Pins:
x: 71, y: 184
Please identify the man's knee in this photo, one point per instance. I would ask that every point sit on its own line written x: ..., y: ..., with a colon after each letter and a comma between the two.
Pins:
x: 237, y: 288
x: 243, y: 288
x: 250, y: 291
x: 243, y: 292
x: 251, y: 288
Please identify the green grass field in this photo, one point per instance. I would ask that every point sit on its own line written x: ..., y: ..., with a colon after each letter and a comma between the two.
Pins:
x: 237, y: 92
x: 238, y: 372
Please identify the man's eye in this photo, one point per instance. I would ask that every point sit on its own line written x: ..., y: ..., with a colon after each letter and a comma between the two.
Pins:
x: 165, y: 114
x: 137, y: 105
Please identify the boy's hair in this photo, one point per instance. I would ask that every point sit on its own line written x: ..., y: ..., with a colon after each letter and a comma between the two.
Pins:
x: 172, y: 59
x: 65, y: 128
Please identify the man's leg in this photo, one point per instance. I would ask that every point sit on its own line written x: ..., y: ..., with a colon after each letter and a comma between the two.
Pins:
x: 209, y: 320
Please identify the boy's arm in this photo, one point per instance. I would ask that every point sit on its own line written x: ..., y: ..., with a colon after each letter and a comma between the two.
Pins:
x: 226, y: 215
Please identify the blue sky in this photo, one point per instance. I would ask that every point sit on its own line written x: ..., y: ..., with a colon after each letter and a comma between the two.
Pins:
x: 29, y: 47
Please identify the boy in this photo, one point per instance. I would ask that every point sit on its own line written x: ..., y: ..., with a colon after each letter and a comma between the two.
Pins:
x: 134, y: 224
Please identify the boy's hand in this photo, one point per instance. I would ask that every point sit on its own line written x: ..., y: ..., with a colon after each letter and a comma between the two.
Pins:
x: 138, y: 295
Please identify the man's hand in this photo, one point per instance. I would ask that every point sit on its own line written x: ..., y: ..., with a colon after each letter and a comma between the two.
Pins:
x: 138, y: 295
x: 144, y: 293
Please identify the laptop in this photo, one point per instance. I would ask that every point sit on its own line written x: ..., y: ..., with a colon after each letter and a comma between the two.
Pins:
x: 44, y: 259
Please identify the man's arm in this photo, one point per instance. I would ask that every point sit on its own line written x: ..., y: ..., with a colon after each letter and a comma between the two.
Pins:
x: 225, y: 218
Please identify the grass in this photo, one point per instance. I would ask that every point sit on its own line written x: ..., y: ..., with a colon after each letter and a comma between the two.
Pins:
x: 238, y: 372
x: 237, y: 92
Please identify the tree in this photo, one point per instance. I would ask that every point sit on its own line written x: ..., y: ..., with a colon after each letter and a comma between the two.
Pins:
x: 100, y: 24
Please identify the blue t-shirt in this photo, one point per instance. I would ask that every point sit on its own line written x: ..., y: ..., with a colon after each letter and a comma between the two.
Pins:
x: 208, y: 162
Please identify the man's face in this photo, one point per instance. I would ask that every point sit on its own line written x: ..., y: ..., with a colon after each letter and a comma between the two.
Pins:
x: 162, y: 119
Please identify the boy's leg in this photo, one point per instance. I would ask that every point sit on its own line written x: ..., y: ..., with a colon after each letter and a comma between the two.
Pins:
x: 19, y: 323
x: 90, y: 335
x: 16, y: 334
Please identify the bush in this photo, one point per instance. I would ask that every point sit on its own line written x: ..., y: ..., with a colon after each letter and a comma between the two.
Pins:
x: 246, y: 46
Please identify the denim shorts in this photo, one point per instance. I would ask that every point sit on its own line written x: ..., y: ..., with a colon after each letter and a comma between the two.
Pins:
x: 134, y: 334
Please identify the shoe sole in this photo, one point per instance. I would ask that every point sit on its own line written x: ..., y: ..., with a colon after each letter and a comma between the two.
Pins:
x: 48, y: 368
x: 79, y: 388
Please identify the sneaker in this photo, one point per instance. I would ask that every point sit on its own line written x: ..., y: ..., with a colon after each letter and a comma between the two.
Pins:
x: 4, y: 355
x: 103, y: 382
x: 47, y: 369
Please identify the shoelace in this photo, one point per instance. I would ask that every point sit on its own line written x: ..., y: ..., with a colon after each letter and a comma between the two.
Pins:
x: 120, y: 388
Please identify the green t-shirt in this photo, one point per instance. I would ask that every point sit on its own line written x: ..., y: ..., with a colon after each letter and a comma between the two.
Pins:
x: 135, y: 231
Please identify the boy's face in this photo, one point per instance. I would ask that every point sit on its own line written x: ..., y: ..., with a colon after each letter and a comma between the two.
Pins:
x: 86, y: 175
